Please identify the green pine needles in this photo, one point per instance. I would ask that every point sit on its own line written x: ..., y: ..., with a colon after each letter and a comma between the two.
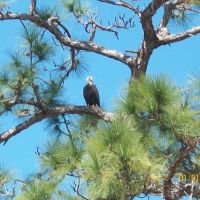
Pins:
x: 25, y: 78
x: 153, y: 138
x: 75, y: 6
x: 126, y: 157
x: 121, y: 159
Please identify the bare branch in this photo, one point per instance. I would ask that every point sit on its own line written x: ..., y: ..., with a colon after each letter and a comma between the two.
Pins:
x: 172, y: 5
x: 131, y: 51
x: 92, y: 22
x: 168, y: 7
x: 72, y: 51
x: 146, y: 18
x: 152, y: 8
x: 181, y: 36
x: 123, y: 4
x: 82, y: 110
x: 122, y: 23
x: 12, y: 132
x: 60, y: 110
x: 66, y: 41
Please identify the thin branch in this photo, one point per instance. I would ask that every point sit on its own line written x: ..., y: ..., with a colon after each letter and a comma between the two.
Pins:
x: 123, y: 4
x: 76, y: 188
x: 33, y: 7
x: 72, y: 50
x: 122, y: 23
x: 64, y: 28
x: 131, y: 51
x: 92, y: 22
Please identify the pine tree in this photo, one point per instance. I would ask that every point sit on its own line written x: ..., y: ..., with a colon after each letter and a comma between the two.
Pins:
x: 148, y: 145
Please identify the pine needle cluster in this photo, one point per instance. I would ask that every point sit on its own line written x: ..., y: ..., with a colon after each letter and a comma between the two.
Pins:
x: 120, y: 159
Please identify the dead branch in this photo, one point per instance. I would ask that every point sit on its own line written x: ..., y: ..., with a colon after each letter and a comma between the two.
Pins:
x: 66, y: 41
x: 123, y: 4
x: 94, y: 26
x: 168, y: 7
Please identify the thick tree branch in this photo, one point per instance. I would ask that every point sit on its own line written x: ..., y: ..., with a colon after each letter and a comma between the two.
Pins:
x: 60, y: 110
x: 146, y: 19
x: 4, y: 137
x: 150, y: 41
x: 152, y: 8
x: 66, y: 41
x: 82, y: 110
x: 168, y: 7
x: 181, y: 36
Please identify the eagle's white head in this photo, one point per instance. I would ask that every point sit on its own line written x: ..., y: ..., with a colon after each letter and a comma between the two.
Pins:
x: 89, y: 80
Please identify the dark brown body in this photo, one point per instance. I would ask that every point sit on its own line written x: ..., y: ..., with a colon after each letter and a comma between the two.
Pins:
x: 91, y: 95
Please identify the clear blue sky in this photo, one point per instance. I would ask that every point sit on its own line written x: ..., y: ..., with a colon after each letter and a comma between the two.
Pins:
x: 111, y: 77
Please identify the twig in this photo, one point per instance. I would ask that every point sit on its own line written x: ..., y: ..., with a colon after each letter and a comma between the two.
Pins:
x: 76, y: 188
x: 33, y: 7
x: 123, y: 4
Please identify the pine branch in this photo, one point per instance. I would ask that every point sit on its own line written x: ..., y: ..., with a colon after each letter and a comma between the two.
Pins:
x: 59, y: 110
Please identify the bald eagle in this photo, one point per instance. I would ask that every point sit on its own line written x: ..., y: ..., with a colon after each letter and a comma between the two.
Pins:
x: 91, y: 93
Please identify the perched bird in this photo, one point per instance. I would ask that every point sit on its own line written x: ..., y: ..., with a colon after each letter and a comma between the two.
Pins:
x: 91, y: 93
